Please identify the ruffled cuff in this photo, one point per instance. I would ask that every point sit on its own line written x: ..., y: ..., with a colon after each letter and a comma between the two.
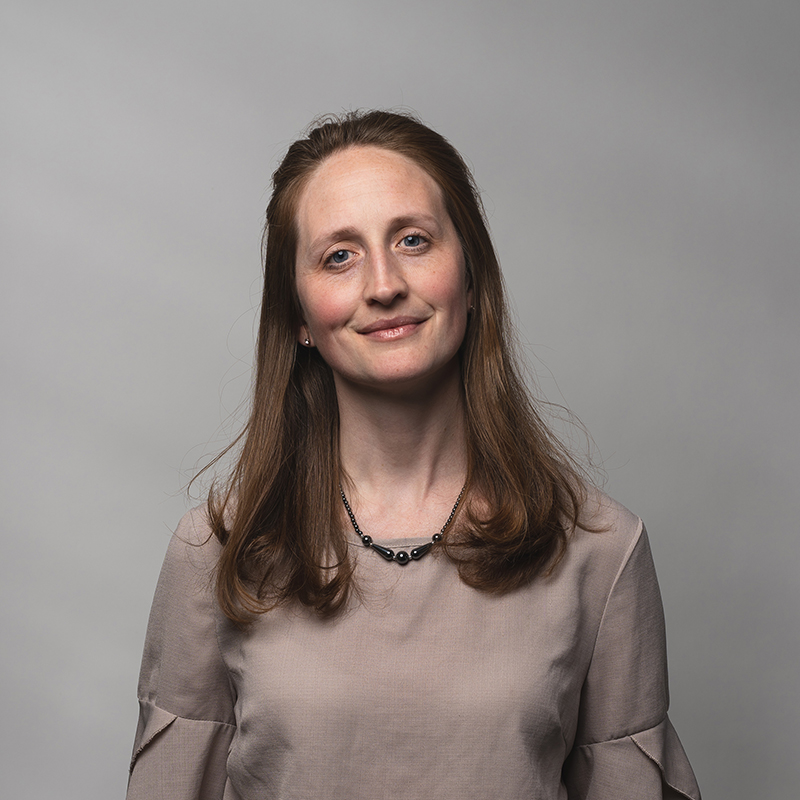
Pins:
x: 647, y: 765
x: 179, y: 759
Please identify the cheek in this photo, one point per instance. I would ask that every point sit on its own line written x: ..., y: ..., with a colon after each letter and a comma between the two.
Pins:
x: 451, y: 289
x: 323, y: 308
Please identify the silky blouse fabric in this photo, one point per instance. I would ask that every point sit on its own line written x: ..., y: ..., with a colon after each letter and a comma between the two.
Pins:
x: 424, y: 687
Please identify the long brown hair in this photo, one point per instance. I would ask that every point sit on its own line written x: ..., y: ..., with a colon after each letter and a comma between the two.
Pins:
x: 279, y: 514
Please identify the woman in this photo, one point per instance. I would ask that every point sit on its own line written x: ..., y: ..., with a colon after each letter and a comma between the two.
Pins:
x: 405, y: 589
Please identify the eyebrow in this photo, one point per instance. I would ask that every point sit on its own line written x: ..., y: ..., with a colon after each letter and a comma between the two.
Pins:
x: 321, y: 242
x: 404, y: 221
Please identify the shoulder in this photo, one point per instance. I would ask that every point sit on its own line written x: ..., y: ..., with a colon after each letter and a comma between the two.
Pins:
x: 195, y: 528
x: 606, y: 527
x: 193, y: 548
x: 185, y: 587
x: 609, y: 541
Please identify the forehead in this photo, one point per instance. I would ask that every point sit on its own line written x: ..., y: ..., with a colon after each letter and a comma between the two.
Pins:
x: 365, y: 183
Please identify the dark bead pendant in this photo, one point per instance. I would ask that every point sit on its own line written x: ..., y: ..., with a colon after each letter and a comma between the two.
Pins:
x: 366, y: 540
x: 384, y: 551
x: 420, y: 551
x: 401, y: 557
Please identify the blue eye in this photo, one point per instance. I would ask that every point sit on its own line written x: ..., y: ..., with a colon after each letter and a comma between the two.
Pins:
x: 339, y: 257
x: 412, y: 240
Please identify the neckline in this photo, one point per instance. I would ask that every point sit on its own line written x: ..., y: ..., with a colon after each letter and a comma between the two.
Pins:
x: 400, y: 541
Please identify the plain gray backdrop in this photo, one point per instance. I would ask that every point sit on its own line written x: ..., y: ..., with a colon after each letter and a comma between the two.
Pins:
x: 639, y: 163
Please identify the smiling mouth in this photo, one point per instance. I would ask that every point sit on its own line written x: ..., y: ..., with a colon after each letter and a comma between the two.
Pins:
x: 394, y: 328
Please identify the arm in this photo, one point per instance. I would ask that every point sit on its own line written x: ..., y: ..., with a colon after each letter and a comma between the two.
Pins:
x: 625, y: 747
x: 186, y: 719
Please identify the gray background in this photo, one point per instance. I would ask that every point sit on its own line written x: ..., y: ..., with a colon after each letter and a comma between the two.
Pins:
x: 639, y: 164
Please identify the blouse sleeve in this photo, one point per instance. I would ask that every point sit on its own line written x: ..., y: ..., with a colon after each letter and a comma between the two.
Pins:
x: 625, y: 746
x: 186, y: 720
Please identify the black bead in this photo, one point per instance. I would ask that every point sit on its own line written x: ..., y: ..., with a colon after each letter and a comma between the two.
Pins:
x: 384, y: 551
x: 367, y: 540
x: 401, y: 557
x: 420, y: 551
x: 437, y: 537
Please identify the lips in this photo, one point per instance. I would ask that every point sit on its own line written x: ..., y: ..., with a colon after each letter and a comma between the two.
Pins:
x: 393, y: 324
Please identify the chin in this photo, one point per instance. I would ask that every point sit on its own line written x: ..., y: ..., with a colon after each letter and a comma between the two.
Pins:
x: 411, y: 377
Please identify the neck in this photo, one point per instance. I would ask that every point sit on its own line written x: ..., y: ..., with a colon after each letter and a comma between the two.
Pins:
x: 402, y: 451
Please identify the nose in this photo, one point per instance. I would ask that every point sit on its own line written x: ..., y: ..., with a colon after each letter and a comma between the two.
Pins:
x: 385, y: 279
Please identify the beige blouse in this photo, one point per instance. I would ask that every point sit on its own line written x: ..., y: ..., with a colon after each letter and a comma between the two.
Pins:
x: 424, y: 688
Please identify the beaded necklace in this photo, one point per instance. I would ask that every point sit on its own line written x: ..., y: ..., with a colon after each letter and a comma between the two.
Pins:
x: 401, y: 556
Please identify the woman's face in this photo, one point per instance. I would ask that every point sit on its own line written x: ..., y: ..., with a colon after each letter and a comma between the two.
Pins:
x: 380, y: 271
